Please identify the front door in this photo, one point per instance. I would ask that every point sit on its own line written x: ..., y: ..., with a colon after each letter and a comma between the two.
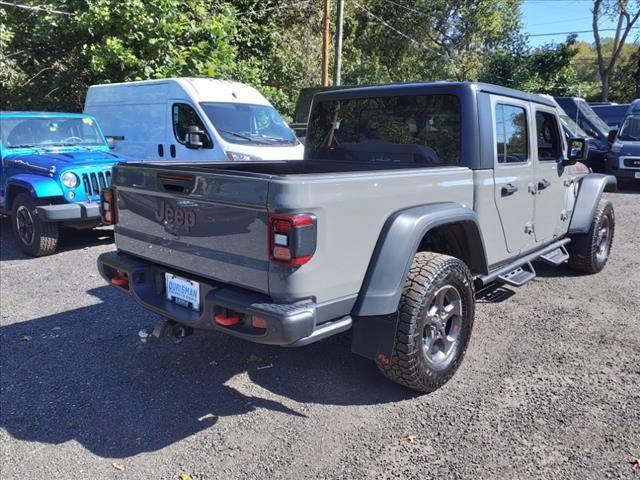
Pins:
x: 550, y: 214
x: 184, y: 116
x: 513, y: 172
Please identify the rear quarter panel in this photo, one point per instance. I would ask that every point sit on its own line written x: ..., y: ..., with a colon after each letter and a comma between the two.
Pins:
x: 351, y: 210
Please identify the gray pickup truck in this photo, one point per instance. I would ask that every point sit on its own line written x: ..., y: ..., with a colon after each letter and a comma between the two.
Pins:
x: 410, y: 199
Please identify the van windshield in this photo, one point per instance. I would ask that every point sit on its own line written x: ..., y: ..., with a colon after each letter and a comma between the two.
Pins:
x: 21, y: 132
x: 630, y: 130
x: 249, y: 124
x: 586, y: 111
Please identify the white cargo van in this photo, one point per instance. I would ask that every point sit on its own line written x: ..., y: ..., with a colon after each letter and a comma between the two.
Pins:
x: 191, y: 119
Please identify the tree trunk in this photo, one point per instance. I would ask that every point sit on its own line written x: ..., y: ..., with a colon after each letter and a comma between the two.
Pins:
x: 604, y: 76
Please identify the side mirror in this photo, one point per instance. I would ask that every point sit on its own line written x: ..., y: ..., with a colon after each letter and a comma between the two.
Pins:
x: 195, y: 136
x: 612, y: 136
x: 578, y: 150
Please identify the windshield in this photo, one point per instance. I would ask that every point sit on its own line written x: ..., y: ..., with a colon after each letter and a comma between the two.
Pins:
x: 29, y: 132
x: 249, y: 124
x: 572, y: 127
x: 585, y: 110
x: 419, y: 130
x: 630, y: 130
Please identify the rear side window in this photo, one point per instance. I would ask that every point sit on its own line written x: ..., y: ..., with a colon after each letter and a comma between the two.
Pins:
x: 511, y: 134
x: 548, y: 135
x: 184, y: 116
x: 407, y: 130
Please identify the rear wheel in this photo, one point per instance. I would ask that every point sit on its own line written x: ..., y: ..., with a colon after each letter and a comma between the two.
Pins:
x: 436, y: 314
x: 589, y: 253
x: 33, y: 236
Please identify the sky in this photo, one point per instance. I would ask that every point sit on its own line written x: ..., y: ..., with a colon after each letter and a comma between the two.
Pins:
x: 551, y: 16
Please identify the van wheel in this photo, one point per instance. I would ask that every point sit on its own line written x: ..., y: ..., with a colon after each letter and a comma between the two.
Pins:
x: 34, y: 237
x: 589, y: 253
x: 436, y: 314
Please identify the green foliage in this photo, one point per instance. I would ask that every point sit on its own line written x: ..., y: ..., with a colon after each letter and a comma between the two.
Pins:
x: 275, y: 45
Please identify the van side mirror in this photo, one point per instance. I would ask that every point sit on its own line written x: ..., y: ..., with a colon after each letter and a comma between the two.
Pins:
x: 578, y: 150
x: 195, y: 136
x: 612, y: 136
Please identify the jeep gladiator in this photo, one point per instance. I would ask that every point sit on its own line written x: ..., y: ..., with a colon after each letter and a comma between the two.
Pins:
x: 411, y: 197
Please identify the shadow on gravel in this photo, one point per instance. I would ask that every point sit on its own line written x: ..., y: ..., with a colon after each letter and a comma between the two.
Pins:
x: 70, y: 239
x: 83, y: 375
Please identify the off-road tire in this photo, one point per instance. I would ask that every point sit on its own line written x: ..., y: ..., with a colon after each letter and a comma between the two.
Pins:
x: 586, y: 252
x: 45, y: 234
x: 409, y: 364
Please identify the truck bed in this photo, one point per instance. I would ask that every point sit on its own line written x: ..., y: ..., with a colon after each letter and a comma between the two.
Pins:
x: 231, y: 203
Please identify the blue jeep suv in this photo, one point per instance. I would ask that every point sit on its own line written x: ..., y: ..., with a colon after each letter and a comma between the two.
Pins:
x: 53, y: 167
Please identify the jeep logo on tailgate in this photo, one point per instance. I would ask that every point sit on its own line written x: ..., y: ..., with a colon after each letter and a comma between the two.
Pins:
x: 177, y: 216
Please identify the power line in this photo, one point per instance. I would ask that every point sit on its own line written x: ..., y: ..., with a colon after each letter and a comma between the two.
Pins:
x: 390, y: 27
x: 36, y: 9
x: 577, y: 31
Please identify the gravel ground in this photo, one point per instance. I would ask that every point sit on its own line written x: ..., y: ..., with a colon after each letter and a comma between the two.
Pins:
x: 550, y: 387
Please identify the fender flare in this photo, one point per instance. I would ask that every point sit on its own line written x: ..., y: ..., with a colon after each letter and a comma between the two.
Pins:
x: 397, y: 246
x: 37, y: 185
x: 589, y: 194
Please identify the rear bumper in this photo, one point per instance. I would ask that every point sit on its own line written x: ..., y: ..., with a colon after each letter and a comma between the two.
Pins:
x: 291, y: 324
x: 69, y: 212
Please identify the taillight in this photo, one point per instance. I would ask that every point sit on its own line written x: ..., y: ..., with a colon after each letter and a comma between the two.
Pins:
x: 292, y: 238
x: 108, y: 207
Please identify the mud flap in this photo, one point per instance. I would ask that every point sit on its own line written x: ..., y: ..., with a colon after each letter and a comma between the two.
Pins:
x: 374, y: 336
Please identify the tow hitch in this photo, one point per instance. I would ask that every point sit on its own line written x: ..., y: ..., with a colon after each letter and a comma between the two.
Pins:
x: 166, y: 328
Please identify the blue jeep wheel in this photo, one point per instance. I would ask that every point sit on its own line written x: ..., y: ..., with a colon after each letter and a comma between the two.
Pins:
x: 34, y: 237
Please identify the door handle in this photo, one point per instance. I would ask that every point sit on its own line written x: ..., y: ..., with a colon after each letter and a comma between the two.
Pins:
x: 160, y: 150
x: 172, y: 150
x: 509, y: 189
x: 544, y: 183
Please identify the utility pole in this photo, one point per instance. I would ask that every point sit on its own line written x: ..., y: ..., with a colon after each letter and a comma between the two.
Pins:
x: 337, y: 70
x: 325, y: 43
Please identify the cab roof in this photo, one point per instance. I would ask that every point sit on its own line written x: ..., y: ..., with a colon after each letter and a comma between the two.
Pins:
x: 417, y: 88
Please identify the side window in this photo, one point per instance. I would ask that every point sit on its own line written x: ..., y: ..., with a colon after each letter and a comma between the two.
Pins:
x: 184, y: 116
x: 511, y: 134
x: 548, y: 135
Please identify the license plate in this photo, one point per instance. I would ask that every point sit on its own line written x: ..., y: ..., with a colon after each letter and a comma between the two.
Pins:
x: 182, y: 291
x: 637, y: 175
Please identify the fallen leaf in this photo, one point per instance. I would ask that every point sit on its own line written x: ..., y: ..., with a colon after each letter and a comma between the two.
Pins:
x: 118, y: 466
x: 636, y: 464
x: 254, y: 358
x: 210, y: 417
x: 185, y: 476
x: 411, y: 438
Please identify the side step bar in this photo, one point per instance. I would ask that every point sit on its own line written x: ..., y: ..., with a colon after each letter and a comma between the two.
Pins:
x: 506, y: 270
x: 519, y: 276
x: 556, y: 257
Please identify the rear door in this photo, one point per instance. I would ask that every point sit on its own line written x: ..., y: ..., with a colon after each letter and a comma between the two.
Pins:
x: 513, y: 171
x: 550, y: 213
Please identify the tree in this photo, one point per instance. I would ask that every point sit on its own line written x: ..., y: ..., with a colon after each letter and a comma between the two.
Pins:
x: 546, y: 69
x: 627, y: 13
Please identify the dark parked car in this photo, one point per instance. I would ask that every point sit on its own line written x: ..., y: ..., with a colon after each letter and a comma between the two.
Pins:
x: 612, y: 114
x: 623, y: 159
x: 580, y: 111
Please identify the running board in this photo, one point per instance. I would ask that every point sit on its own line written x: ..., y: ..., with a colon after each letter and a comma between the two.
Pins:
x: 519, y: 276
x: 484, y: 280
x: 556, y: 257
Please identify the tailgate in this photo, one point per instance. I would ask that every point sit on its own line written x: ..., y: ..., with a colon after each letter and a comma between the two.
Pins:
x: 211, y: 224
